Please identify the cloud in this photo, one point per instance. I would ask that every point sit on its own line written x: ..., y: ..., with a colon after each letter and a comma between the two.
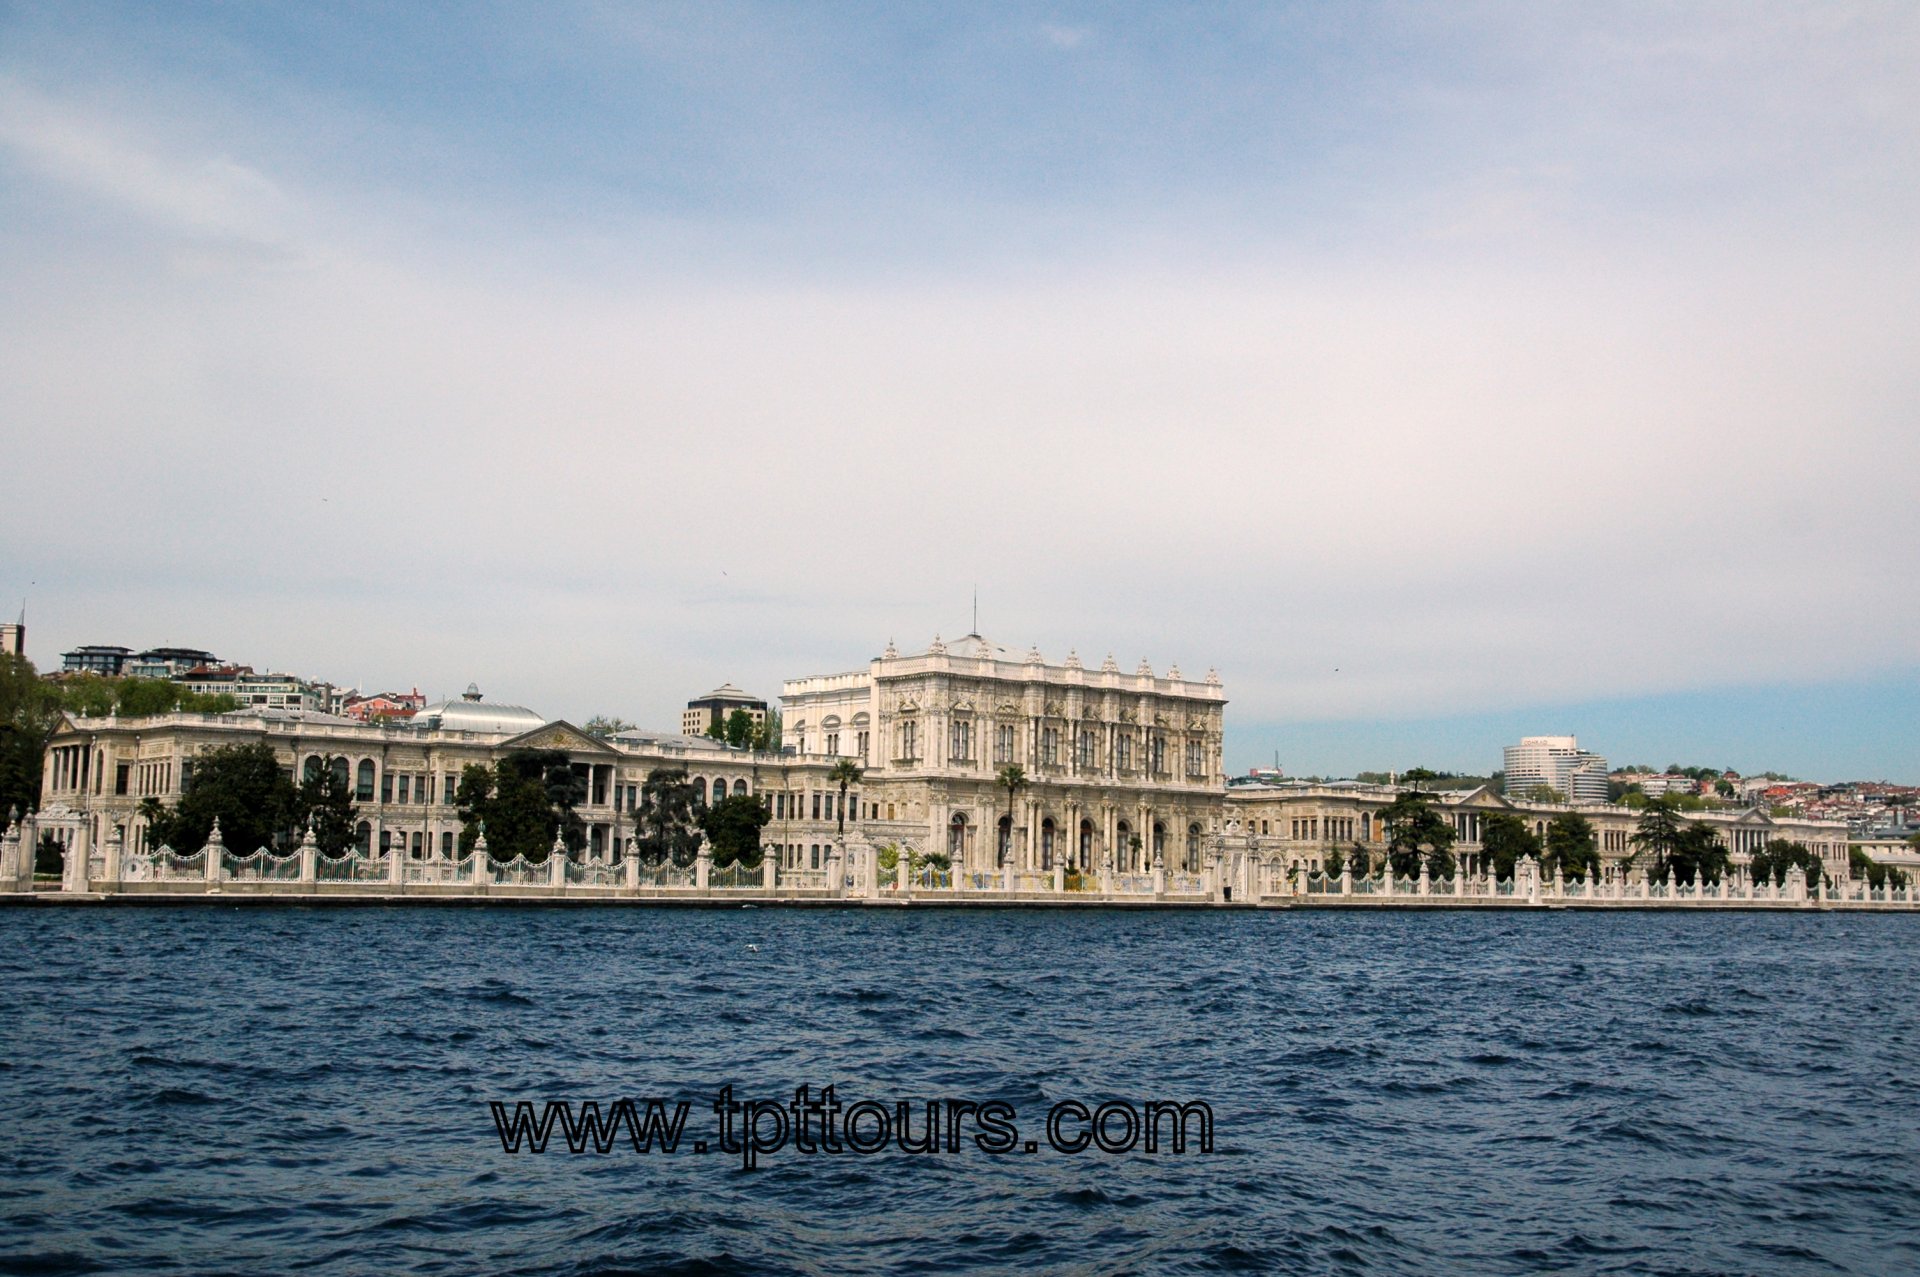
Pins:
x: 1522, y: 423
x: 1062, y: 37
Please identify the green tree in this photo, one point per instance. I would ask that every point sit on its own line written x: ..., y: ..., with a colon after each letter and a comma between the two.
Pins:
x: 1414, y: 777
x: 325, y: 799
x: 1571, y: 846
x: 664, y: 827
x: 241, y: 785
x: 843, y: 773
x: 732, y: 827
x: 1656, y: 836
x: 29, y: 715
x: 1013, y: 779
x: 524, y: 800
x: 1703, y: 857
x: 1861, y: 865
x: 739, y: 731
x: 1689, y: 853
x: 1723, y: 787
x: 1544, y: 794
x: 1504, y: 839
x: 604, y: 725
x: 1411, y: 824
x: 1771, y: 862
x: 766, y: 737
x: 1334, y: 861
x: 87, y: 695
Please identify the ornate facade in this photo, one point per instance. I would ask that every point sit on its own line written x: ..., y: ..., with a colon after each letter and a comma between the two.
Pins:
x: 404, y: 777
x: 1122, y: 770
x: 1298, y: 825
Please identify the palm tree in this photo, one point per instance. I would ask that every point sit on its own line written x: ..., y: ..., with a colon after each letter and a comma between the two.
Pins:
x: 843, y: 773
x: 1013, y: 779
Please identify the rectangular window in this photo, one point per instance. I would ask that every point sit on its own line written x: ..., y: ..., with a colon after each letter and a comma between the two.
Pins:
x: 386, y: 787
x: 406, y: 788
x: 861, y: 750
x: 120, y: 779
x: 909, y: 741
x: 1123, y: 751
x: 960, y: 741
x: 1003, y: 743
x: 1050, y: 745
x: 816, y: 808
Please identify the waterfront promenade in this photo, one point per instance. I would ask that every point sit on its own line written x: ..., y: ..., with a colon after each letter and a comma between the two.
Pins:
x: 855, y: 876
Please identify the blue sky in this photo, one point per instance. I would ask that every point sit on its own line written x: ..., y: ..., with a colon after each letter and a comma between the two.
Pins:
x: 1438, y: 372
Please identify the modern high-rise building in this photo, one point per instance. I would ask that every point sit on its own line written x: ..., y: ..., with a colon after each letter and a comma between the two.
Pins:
x: 1557, y: 763
x: 13, y: 639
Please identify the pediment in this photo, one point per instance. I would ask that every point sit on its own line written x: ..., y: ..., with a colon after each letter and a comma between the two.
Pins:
x: 560, y: 735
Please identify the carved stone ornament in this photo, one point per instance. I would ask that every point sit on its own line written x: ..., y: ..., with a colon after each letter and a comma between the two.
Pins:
x: 1128, y: 714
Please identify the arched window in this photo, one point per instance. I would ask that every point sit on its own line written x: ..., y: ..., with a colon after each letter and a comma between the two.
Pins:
x: 386, y: 841
x: 311, y: 771
x: 446, y: 844
x: 1193, y: 848
x: 1366, y: 826
x: 416, y: 847
x: 363, y: 781
x: 1159, y: 842
x: 1124, y: 854
x: 1046, y: 843
x: 1086, y: 845
x: 363, y: 836
x: 719, y: 791
x: 699, y: 792
x: 740, y: 788
x: 1003, y: 841
x: 957, y: 840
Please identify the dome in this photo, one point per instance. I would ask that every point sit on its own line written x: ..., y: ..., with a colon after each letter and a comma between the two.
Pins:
x: 472, y: 714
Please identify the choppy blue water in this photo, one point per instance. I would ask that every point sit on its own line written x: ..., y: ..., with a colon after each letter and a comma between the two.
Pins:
x: 299, y: 1090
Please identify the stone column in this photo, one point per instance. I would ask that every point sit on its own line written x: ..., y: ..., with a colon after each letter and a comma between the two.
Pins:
x: 1059, y: 873
x: 703, y: 867
x: 116, y: 851
x: 836, y: 875
x: 216, y: 850
x: 74, y: 877
x: 1159, y: 877
x: 768, y: 862
x: 1006, y: 873
x: 482, y: 861
x: 557, y: 860
x: 1346, y: 877
x: 309, y: 857
x: 397, y: 862
x: 10, y: 856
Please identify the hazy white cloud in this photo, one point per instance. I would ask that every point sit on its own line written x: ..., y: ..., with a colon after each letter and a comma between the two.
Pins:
x: 1532, y: 427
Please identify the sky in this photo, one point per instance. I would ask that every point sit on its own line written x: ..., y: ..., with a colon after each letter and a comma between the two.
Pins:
x: 1439, y: 373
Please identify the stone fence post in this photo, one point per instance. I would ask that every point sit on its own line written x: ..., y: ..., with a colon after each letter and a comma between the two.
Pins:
x: 703, y: 868
x: 216, y: 850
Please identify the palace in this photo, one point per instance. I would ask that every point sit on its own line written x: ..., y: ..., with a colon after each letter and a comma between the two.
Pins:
x: 1119, y: 768
x: 1120, y: 788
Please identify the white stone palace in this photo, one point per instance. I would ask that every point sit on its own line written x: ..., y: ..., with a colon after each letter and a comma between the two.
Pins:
x: 1124, y: 801
x: 1120, y: 768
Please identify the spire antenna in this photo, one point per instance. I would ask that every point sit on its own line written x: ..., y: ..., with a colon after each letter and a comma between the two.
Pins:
x: 976, y: 608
